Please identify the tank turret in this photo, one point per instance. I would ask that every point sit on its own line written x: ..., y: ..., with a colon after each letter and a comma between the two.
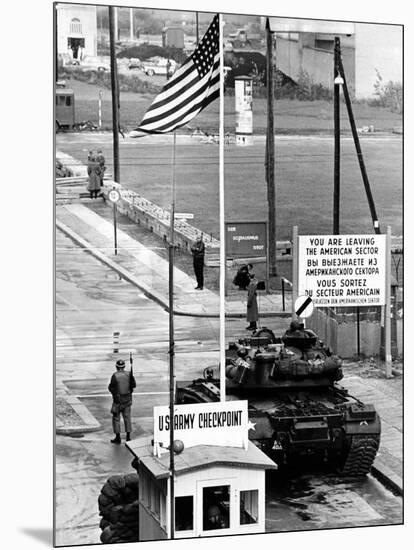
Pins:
x: 295, y: 402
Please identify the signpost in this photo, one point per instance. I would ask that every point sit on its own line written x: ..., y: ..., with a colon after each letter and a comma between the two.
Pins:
x: 114, y: 196
x: 304, y: 306
x: 342, y: 270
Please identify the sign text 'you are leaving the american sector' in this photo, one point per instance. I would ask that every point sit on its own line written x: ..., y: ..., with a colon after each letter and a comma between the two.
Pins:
x: 342, y: 270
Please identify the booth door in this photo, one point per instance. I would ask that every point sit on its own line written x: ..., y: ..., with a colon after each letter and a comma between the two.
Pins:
x: 216, y: 507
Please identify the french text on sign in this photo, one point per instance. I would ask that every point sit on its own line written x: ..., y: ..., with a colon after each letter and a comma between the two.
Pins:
x: 342, y: 269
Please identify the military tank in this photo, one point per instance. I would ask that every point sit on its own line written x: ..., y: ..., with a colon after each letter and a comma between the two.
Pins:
x: 295, y: 403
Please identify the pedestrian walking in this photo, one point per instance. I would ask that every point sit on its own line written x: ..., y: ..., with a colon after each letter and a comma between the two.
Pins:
x: 252, y: 309
x: 121, y: 386
x: 101, y: 160
x: 94, y: 181
x: 198, y: 251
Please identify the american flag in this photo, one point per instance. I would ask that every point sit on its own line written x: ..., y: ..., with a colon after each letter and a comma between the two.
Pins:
x: 192, y: 87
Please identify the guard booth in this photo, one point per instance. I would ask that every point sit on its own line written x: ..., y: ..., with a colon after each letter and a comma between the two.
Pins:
x: 64, y: 108
x: 219, y: 489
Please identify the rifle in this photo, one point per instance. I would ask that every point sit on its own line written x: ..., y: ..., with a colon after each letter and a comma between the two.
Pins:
x: 131, y: 374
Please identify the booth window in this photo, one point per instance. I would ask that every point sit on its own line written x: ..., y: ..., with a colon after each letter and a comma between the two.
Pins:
x: 216, y: 507
x: 249, y: 509
x: 184, y: 515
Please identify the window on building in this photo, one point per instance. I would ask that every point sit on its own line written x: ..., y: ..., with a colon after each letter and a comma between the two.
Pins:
x: 216, y: 507
x: 76, y: 26
x: 68, y: 101
x: 324, y: 44
x: 184, y: 514
x: 249, y: 507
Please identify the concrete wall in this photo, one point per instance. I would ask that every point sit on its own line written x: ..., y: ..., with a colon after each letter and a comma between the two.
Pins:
x: 340, y: 333
x: 157, y: 220
x: 88, y: 20
x: 294, y: 55
x: 377, y: 47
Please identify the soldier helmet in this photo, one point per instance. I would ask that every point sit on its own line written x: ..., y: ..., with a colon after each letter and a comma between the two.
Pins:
x: 294, y: 325
x: 212, y: 511
x: 120, y: 364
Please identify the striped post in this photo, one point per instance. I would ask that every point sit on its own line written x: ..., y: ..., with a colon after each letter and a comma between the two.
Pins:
x: 116, y: 342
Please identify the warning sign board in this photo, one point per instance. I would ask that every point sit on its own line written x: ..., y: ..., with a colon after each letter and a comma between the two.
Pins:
x: 342, y: 270
x: 246, y: 239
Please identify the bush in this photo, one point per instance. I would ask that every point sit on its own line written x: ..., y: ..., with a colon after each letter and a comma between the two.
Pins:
x: 127, y: 83
x: 388, y: 94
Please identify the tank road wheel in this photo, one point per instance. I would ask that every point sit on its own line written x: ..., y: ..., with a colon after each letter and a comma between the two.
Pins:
x: 118, y: 506
x: 361, y: 455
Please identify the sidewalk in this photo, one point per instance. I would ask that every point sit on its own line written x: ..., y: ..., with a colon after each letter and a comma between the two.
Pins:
x: 149, y: 272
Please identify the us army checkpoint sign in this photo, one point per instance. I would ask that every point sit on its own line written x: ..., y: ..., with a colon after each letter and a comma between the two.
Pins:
x: 221, y: 423
x: 342, y: 270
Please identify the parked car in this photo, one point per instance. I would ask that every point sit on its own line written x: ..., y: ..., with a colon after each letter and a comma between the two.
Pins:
x: 158, y: 65
x: 94, y: 65
x: 134, y: 63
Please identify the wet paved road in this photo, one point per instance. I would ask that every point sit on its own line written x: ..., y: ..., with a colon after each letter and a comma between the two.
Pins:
x: 91, y: 303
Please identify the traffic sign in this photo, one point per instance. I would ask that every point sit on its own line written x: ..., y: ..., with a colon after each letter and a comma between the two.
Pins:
x: 304, y: 306
x: 183, y: 216
x: 114, y: 195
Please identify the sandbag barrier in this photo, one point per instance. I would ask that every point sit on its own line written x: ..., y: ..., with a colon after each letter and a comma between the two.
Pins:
x: 118, y: 506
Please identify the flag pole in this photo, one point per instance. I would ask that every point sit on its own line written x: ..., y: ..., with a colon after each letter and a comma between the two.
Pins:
x: 222, y: 224
x: 171, y: 340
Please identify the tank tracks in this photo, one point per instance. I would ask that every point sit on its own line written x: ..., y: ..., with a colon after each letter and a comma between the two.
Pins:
x: 361, y: 455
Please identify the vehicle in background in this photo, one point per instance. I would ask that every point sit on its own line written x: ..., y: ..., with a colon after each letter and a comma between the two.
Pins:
x: 158, y: 65
x: 64, y: 107
x: 134, y: 63
x: 95, y: 65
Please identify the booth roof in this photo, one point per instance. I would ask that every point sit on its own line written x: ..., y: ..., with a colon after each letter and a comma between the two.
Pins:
x: 198, y: 457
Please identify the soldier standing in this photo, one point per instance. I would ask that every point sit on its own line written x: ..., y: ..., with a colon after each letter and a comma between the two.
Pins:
x: 121, y: 387
x: 198, y: 250
x: 252, y: 309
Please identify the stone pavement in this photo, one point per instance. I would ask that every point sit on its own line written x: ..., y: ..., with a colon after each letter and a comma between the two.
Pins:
x: 149, y: 272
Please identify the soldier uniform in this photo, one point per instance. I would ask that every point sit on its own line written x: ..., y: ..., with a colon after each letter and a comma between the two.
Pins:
x: 198, y: 250
x: 121, y: 387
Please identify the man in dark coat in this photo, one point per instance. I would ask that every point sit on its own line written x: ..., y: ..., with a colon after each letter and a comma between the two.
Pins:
x: 121, y: 387
x: 101, y: 161
x: 94, y: 181
x: 198, y: 250
x: 252, y: 309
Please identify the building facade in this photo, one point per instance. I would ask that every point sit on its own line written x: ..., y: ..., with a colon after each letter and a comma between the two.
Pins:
x: 76, y: 30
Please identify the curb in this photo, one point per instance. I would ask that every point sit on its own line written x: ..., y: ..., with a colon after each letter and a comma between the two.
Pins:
x: 128, y: 276
x: 387, y: 477
x: 90, y: 424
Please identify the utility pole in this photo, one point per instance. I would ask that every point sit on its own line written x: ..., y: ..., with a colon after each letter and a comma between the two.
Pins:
x: 197, y: 37
x: 131, y: 24
x: 115, y: 93
x: 55, y: 39
x: 116, y: 26
x: 337, y: 130
x: 364, y: 174
x: 270, y: 151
